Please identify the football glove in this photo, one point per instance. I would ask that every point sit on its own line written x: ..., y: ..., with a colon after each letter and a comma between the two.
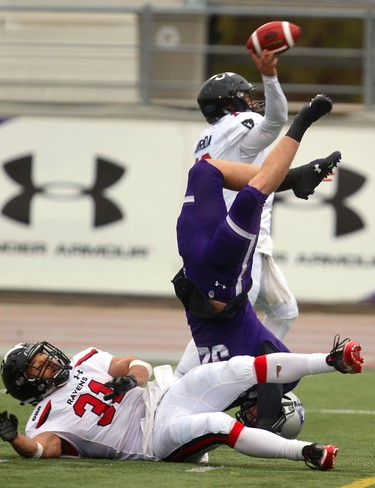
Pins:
x: 120, y: 386
x: 8, y: 426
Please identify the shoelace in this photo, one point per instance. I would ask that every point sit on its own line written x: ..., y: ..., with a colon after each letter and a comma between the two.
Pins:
x: 337, y: 344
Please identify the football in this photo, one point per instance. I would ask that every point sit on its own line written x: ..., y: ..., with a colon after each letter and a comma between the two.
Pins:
x: 277, y: 36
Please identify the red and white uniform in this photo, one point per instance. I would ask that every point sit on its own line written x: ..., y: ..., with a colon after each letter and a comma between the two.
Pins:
x: 170, y: 419
x: 78, y: 413
x: 125, y: 428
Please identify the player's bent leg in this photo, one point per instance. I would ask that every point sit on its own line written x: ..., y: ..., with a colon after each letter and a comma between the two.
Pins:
x: 269, y: 396
x: 275, y: 299
x: 280, y: 317
x: 345, y: 357
x: 188, y: 361
x: 263, y: 444
x: 187, y: 438
x: 213, y: 387
x: 309, y: 176
x: 319, y: 106
x: 320, y: 457
x: 256, y: 274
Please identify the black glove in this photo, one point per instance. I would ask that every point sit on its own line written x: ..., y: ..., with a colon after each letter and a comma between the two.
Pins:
x: 120, y: 386
x: 8, y: 426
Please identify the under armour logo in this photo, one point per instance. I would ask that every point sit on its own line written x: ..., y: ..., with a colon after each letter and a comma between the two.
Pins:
x: 248, y: 123
x: 220, y: 284
x: 347, y: 220
x: 79, y: 372
x: 105, y: 211
x: 317, y: 168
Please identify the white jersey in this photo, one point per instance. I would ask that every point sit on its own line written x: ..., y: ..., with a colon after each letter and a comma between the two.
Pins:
x: 245, y: 137
x: 78, y: 414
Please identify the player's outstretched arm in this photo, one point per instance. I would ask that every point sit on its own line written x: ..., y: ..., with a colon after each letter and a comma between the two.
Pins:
x: 275, y: 107
x: 266, y: 63
x: 46, y: 445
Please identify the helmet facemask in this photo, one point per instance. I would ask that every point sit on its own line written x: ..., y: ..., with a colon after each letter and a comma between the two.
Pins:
x: 226, y: 93
x: 243, y: 102
x: 290, y: 420
x: 27, y: 381
x: 52, y: 361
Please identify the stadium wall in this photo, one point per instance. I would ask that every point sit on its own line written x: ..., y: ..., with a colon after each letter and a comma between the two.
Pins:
x: 90, y: 206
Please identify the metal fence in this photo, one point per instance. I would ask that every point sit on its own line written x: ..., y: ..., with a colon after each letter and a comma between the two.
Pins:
x: 119, y: 56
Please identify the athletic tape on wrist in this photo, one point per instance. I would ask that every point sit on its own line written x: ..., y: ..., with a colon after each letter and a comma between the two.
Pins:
x: 138, y: 362
x: 39, y: 451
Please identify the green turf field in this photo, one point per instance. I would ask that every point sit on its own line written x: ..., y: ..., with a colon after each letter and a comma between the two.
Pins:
x: 340, y: 409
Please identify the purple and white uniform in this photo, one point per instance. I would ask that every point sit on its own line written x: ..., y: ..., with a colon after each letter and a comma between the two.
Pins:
x: 217, y: 248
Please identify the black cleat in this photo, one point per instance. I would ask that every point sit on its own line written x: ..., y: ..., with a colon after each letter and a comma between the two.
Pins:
x: 320, y: 457
x: 345, y: 356
x: 310, y: 175
x: 320, y: 105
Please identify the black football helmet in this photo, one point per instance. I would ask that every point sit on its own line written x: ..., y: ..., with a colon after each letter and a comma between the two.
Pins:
x: 223, y: 94
x: 33, y: 389
x: 288, y: 424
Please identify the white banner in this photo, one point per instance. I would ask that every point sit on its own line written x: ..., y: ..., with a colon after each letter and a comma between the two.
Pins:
x: 326, y: 245
x: 91, y: 206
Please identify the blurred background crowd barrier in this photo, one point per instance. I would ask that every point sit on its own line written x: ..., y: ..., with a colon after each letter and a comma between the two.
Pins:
x: 114, y: 53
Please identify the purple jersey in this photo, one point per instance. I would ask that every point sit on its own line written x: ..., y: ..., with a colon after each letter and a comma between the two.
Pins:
x: 217, y: 248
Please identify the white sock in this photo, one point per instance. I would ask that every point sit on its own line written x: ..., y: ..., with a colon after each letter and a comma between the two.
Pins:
x: 265, y: 444
x: 288, y: 367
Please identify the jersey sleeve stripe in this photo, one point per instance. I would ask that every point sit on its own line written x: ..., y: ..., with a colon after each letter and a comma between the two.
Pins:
x: 86, y: 357
x: 44, y: 415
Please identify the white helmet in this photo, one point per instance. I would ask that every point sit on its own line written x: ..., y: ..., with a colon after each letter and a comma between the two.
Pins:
x: 289, y: 422
x: 292, y: 416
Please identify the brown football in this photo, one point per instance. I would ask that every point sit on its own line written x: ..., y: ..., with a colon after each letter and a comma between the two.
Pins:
x: 277, y: 36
